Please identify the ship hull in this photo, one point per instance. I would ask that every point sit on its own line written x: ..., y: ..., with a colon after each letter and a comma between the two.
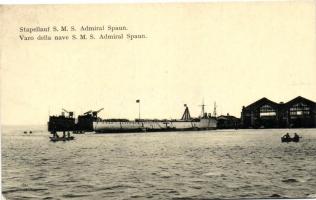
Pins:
x: 152, y: 126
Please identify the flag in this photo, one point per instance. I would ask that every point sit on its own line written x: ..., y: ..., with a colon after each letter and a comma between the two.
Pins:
x: 137, y: 101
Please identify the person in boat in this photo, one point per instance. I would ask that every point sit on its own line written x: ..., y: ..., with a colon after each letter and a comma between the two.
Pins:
x: 286, y: 136
x: 296, y: 137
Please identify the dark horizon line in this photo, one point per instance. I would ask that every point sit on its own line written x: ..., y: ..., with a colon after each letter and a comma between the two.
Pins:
x: 2, y: 125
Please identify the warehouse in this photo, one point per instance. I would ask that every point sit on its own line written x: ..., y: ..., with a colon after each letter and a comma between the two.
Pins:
x: 264, y: 113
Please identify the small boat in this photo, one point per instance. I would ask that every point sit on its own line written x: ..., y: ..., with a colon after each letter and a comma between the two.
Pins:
x: 283, y: 139
x: 296, y: 139
x: 56, y: 139
x: 289, y: 139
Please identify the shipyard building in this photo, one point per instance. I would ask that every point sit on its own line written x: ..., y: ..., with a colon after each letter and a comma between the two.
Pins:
x: 228, y: 122
x: 264, y: 113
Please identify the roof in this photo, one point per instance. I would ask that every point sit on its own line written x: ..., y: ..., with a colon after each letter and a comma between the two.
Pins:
x: 230, y: 117
x: 286, y: 105
x: 299, y: 99
x: 261, y: 102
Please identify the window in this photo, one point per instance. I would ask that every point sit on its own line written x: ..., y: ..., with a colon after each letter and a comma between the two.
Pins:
x: 299, y: 109
x: 267, y: 111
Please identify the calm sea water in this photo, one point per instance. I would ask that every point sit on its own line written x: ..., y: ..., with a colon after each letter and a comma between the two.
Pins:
x: 180, y: 165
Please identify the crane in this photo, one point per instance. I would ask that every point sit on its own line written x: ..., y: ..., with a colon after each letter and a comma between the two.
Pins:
x: 88, y: 112
x: 65, y: 110
x: 70, y: 113
x: 95, y: 113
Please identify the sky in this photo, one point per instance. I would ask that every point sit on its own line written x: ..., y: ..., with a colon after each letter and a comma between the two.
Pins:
x: 229, y: 53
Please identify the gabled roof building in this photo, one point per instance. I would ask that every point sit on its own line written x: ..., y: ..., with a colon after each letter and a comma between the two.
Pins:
x: 228, y: 122
x: 264, y: 113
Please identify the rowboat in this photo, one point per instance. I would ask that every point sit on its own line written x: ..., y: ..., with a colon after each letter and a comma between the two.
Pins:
x: 294, y: 139
x: 56, y: 139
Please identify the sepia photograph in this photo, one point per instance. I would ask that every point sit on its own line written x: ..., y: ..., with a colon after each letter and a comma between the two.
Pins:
x: 169, y: 100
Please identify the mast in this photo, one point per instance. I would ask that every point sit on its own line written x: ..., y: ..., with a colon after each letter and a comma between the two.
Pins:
x: 214, y: 111
x: 138, y: 101
x: 203, y: 106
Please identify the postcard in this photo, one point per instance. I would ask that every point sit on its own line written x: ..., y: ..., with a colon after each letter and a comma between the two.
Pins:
x: 212, y: 100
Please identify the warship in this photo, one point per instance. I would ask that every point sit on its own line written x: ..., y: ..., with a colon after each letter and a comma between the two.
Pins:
x: 90, y: 122
x: 186, y: 123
